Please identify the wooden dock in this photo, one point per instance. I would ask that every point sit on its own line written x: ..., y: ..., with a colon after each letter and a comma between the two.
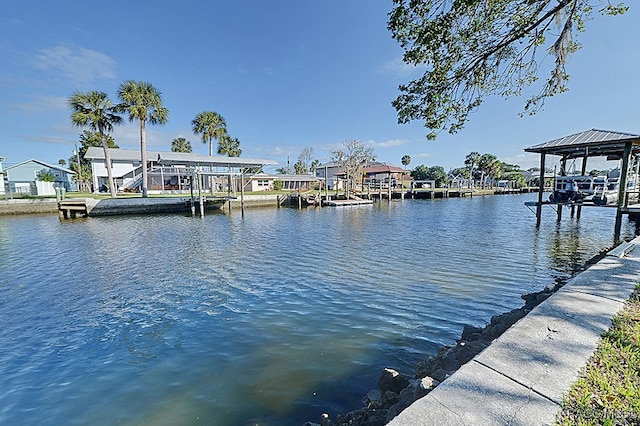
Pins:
x: 71, y: 208
x: 350, y: 202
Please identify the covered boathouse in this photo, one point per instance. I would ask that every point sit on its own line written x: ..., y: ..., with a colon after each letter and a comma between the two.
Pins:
x: 592, y: 143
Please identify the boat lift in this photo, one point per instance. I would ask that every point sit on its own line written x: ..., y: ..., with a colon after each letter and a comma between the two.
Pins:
x: 591, y: 143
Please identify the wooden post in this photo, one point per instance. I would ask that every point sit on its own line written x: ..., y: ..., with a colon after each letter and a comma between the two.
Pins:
x: 583, y: 172
x: 540, y: 191
x: 242, y: 191
x: 622, y: 190
x: 201, y: 196
x: 193, y: 200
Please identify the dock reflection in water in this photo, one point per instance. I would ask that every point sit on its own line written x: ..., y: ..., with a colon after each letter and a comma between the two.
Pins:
x: 270, y: 318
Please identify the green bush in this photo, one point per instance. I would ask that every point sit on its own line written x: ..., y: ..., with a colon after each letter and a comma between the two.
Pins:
x: 46, y: 176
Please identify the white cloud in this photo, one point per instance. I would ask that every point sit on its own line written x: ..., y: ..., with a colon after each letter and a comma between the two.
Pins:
x: 52, y: 140
x: 81, y: 66
x: 423, y: 155
x: 398, y: 67
x: 44, y: 103
x: 388, y: 144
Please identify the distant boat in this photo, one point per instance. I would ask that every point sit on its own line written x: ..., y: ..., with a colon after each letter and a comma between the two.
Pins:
x: 570, y: 189
x: 311, y: 199
x: 608, y: 194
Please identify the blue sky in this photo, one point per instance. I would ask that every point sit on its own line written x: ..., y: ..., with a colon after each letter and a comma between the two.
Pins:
x: 284, y: 74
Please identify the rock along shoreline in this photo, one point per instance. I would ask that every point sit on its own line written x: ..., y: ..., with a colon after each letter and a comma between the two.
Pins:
x: 396, y: 392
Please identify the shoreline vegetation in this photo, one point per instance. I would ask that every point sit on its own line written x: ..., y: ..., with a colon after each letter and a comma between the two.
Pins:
x: 608, y: 390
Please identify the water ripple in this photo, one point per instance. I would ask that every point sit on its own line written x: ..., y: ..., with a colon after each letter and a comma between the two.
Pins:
x: 272, y: 317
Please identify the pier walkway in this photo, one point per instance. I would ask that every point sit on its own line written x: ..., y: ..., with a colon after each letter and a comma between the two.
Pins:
x: 521, y: 377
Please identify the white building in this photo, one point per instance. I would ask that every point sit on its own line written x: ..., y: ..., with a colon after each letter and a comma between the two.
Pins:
x: 166, y: 171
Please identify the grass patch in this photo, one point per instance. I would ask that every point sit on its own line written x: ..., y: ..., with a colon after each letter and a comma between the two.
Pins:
x: 608, y: 391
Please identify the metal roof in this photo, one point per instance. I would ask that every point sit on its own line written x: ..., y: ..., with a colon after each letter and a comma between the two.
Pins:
x: 287, y: 177
x: 383, y: 168
x: 176, y: 158
x: 42, y: 163
x: 590, y: 143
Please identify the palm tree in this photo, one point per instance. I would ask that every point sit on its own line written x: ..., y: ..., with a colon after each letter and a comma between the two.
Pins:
x: 490, y: 167
x: 471, y: 160
x: 405, y: 162
x: 95, y: 110
x: 211, y: 126
x: 180, y: 145
x: 231, y: 148
x: 142, y: 102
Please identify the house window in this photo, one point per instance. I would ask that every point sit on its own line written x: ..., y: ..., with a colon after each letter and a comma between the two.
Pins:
x: 263, y: 182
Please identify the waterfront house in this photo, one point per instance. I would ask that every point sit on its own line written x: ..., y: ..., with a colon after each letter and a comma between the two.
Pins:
x: 459, y: 181
x: 385, y: 174
x: 373, y: 174
x: 27, y: 178
x: 167, y: 171
x: 331, y: 173
x: 287, y: 182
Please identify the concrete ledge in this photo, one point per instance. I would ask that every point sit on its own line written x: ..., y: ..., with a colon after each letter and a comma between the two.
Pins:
x: 29, y: 206
x: 489, y: 399
x: 521, y: 377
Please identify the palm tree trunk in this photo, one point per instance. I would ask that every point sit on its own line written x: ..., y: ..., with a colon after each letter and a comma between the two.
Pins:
x: 107, y: 163
x: 143, y: 157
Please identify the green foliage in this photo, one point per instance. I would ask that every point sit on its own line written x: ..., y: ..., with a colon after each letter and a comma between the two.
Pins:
x: 229, y: 146
x: 608, y: 391
x: 45, y: 175
x: 462, y: 171
x: 210, y: 125
x: 181, y: 145
x: 95, y: 111
x: 473, y: 49
x: 314, y: 166
x: 299, y: 168
x: 142, y: 102
x: 436, y: 173
x: 277, y: 185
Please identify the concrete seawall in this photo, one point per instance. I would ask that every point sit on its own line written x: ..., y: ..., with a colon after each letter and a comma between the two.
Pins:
x: 521, y: 377
x: 29, y: 206
x: 124, y: 205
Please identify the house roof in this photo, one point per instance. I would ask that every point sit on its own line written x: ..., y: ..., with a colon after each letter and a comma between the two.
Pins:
x: 288, y: 177
x: 590, y: 143
x: 383, y: 168
x: 43, y: 164
x: 172, y: 158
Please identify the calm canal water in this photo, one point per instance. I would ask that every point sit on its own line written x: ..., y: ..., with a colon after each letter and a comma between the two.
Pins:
x: 272, y: 318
